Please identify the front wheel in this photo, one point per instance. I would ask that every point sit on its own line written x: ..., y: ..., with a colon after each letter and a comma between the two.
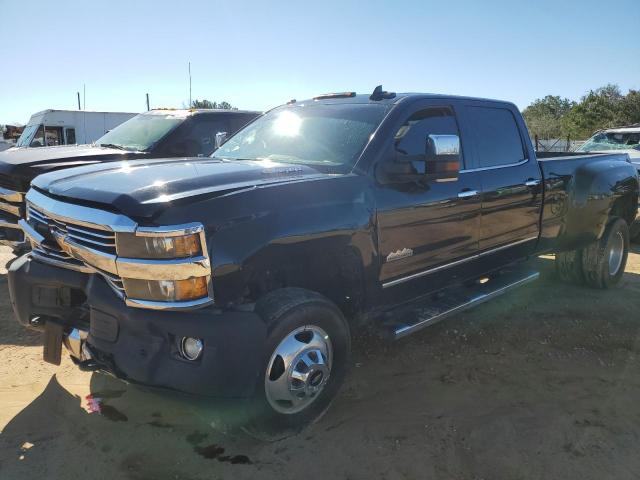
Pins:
x: 305, y: 362
x: 604, y: 261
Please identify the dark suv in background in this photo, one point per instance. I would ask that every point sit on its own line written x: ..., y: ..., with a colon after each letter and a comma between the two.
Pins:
x: 157, y: 133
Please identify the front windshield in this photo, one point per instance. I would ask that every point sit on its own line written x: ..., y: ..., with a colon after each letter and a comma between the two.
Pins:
x: 27, y: 134
x: 142, y: 131
x: 330, y: 136
x: 611, y: 141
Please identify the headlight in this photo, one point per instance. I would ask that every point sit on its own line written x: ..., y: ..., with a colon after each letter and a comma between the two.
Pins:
x: 166, y: 290
x: 131, y: 245
x: 165, y: 264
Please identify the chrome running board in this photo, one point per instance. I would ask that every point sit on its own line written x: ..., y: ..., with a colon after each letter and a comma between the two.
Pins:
x: 454, y: 300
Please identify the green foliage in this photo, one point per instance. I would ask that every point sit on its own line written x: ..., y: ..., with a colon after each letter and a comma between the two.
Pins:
x: 605, y: 107
x: 544, y: 116
x: 208, y: 104
x: 598, y: 109
x: 630, y: 109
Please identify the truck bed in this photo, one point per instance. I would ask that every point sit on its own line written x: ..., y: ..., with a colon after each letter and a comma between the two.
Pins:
x: 575, y: 194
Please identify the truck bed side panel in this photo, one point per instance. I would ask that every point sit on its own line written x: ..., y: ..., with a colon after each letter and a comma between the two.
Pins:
x: 580, y: 192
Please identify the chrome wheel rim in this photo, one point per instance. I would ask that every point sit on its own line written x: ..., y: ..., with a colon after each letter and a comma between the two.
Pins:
x: 298, y: 370
x: 616, y: 253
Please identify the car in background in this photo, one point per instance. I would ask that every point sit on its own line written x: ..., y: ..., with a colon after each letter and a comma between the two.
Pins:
x: 615, y: 140
x: 49, y: 128
x: 166, y: 133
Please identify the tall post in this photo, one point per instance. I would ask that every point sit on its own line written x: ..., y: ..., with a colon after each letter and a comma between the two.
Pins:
x: 148, y: 103
x: 536, y: 137
x: 84, y: 113
x: 190, y: 104
x: 79, y: 108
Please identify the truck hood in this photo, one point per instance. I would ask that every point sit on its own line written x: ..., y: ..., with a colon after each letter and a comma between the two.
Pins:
x: 143, y: 189
x: 24, y: 164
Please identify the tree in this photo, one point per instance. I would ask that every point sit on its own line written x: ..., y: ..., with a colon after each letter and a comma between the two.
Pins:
x: 605, y: 107
x: 601, y: 108
x: 544, y: 116
x: 208, y: 104
x: 630, y: 109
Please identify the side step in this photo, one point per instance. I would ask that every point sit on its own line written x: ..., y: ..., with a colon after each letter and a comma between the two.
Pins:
x: 421, y: 314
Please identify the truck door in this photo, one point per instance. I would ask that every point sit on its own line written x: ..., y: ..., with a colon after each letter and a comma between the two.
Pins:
x: 424, y: 228
x: 511, y: 181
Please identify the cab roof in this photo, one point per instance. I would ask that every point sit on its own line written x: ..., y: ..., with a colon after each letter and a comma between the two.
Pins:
x: 389, y: 99
x: 185, y: 112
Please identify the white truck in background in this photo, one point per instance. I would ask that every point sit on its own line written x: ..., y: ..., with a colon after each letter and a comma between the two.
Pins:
x: 67, y: 127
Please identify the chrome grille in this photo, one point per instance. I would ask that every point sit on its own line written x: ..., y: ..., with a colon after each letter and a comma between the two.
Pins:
x: 102, y: 240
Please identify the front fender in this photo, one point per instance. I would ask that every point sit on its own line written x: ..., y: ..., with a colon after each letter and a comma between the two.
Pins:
x: 317, y: 235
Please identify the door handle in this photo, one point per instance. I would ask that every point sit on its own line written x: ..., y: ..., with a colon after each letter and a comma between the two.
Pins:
x: 532, y: 182
x: 467, y: 193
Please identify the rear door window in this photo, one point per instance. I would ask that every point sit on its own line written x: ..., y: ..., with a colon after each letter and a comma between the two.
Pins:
x: 496, y: 136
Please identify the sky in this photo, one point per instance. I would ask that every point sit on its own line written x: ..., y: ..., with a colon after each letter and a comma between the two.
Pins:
x: 259, y: 54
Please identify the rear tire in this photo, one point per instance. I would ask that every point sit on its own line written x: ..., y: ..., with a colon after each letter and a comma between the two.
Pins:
x: 604, y: 261
x: 306, y: 359
x: 569, y: 267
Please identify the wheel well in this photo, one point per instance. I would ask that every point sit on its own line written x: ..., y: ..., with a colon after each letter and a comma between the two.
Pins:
x: 625, y: 208
x: 335, y: 273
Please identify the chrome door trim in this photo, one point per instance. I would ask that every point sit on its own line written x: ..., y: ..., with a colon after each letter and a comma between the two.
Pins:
x: 494, y: 167
x: 398, y: 281
x: 468, y: 194
x: 532, y: 183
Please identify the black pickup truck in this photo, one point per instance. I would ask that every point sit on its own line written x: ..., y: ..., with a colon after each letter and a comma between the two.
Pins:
x: 244, y: 274
x: 158, y: 133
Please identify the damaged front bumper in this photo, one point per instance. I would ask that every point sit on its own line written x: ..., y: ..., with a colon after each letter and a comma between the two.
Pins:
x: 137, y: 345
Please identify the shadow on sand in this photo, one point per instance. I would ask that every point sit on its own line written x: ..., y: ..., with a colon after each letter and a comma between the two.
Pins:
x: 136, y: 434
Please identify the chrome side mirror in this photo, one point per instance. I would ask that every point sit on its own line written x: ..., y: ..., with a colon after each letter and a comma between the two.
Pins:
x: 221, y: 137
x: 443, y: 157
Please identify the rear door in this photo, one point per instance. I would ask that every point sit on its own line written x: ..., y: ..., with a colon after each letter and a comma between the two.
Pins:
x: 510, y: 179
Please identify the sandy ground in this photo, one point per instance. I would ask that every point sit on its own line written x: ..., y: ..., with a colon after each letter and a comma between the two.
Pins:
x: 541, y: 383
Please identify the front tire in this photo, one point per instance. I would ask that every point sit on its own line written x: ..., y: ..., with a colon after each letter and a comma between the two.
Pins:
x: 604, y: 261
x: 306, y: 359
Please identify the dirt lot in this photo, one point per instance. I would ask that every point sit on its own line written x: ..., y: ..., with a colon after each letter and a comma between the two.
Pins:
x: 542, y: 383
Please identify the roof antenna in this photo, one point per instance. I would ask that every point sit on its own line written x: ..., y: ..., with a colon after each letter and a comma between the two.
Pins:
x: 379, y: 94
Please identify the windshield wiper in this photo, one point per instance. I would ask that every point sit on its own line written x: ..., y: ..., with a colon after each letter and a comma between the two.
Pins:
x: 112, y: 145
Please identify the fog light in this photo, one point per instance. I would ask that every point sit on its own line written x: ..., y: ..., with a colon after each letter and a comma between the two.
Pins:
x: 191, y: 348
